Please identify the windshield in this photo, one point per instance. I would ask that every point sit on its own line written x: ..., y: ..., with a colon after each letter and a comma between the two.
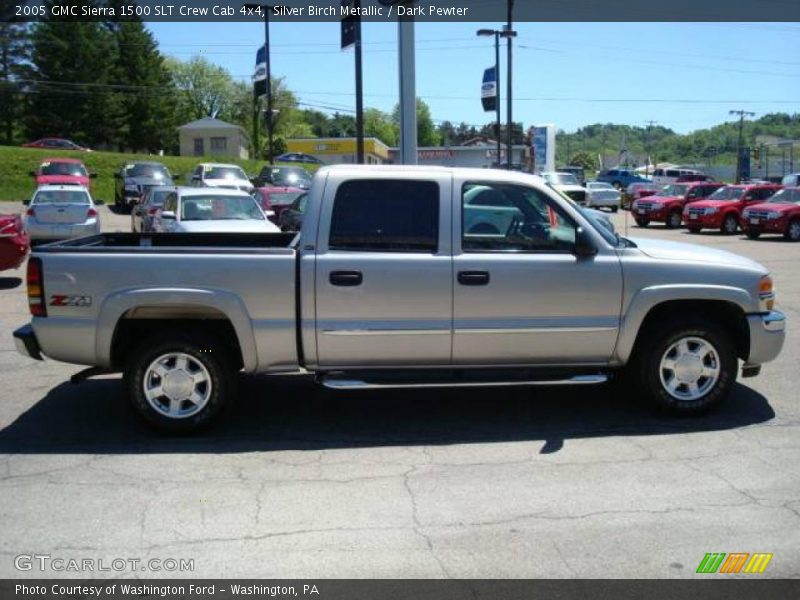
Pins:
x: 283, y: 198
x: 786, y: 197
x: 63, y: 168
x: 220, y: 208
x: 61, y: 197
x: 224, y: 173
x: 157, y: 198
x: 290, y: 176
x: 600, y: 185
x: 147, y: 170
x: 727, y: 193
x: 674, y: 190
x: 561, y: 178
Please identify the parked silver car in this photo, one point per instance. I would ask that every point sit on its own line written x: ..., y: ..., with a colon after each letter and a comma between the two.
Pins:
x: 603, y: 195
x: 58, y: 212
x: 219, y: 175
x: 199, y: 210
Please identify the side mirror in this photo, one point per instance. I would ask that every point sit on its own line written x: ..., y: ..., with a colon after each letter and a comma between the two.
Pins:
x: 167, y: 214
x: 583, y: 243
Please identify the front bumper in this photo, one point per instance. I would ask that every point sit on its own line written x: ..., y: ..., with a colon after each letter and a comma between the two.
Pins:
x: 763, y: 225
x: 26, y: 343
x: 712, y: 221
x: 767, y: 334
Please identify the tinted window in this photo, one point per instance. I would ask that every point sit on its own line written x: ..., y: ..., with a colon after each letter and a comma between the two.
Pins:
x: 61, y: 197
x: 498, y: 216
x: 386, y: 215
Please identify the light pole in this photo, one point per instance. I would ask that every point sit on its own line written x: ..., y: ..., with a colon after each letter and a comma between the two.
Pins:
x: 506, y: 33
x: 266, y: 9
x: 742, y: 114
x: 509, y: 120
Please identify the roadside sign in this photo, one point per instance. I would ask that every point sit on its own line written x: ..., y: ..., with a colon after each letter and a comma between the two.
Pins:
x: 489, y: 90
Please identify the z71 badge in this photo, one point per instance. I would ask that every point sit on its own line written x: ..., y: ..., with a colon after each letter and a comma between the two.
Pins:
x: 64, y: 300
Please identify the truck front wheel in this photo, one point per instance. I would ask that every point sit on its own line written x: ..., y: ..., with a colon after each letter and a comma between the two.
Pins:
x: 689, y: 369
x: 179, y: 382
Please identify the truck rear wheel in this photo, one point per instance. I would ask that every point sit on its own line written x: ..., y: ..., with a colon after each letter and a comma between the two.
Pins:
x: 179, y: 382
x: 688, y: 369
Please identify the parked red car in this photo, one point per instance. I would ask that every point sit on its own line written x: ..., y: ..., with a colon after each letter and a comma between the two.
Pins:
x: 666, y: 206
x: 14, y: 242
x: 779, y: 214
x: 56, y: 144
x: 62, y: 171
x: 276, y: 199
x: 723, y: 209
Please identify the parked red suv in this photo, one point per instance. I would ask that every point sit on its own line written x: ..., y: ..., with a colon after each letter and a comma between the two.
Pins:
x: 62, y: 171
x: 666, y: 206
x: 723, y: 209
x: 779, y: 214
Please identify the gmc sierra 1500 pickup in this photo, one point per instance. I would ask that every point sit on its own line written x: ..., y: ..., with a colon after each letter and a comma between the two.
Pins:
x: 403, y: 277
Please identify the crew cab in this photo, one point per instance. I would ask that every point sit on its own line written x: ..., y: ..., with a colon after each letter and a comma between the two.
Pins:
x: 62, y: 171
x: 666, y: 206
x: 779, y: 214
x: 387, y: 285
x: 723, y: 209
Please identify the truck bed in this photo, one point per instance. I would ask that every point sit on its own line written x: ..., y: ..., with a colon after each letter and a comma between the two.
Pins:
x: 188, y: 242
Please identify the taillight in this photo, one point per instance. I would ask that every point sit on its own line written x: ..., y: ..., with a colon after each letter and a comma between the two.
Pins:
x: 35, y: 281
x: 152, y: 211
x: 30, y: 212
x: 92, y: 213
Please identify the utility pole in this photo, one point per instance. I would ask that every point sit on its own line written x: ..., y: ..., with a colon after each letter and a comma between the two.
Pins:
x: 742, y: 114
x: 359, y: 93
x: 509, y: 121
x: 647, y: 147
x: 506, y: 33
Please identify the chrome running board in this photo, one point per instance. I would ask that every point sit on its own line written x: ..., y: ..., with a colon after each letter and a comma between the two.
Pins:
x: 358, y: 384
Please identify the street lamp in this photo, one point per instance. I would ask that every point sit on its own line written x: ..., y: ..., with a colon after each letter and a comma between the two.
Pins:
x: 498, y: 33
x: 265, y: 8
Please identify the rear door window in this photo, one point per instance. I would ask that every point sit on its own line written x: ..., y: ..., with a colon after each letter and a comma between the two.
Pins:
x: 385, y: 215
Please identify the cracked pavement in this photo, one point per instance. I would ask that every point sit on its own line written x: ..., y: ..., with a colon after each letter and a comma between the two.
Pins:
x: 302, y: 482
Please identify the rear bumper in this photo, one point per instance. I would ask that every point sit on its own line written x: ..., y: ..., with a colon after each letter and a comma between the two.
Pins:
x: 38, y: 231
x: 26, y: 343
x: 767, y: 334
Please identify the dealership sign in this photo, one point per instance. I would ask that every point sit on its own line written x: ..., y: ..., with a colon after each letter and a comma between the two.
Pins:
x: 489, y: 89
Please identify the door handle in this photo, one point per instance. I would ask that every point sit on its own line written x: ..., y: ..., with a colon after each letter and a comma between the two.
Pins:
x: 473, y: 277
x: 346, y: 278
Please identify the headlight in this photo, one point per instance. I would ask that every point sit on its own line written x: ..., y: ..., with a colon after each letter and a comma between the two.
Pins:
x: 635, y: 204
x: 746, y: 213
x: 766, y: 293
x: 711, y: 210
x: 773, y: 214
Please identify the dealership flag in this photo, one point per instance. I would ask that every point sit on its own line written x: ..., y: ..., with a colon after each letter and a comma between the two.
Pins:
x: 260, y: 74
x: 489, y: 90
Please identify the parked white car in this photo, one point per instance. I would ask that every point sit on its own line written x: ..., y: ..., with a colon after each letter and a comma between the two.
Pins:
x: 58, y: 212
x: 603, y: 195
x: 567, y: 184
x: 791, y: 180
x: 666, y: 176
x: 205, y: 210
x: 219, y: 175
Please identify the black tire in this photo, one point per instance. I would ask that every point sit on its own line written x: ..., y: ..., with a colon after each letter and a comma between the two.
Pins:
x: 647, y: 369
x: 643, y: 222
x: 694, y: 229
x: 793, y: 231
x: 674, y: 220
x: 753, y: 235
x: 617, y: 185
x: 204, y: 350
x: 614, y: 209
x: 729, y: 225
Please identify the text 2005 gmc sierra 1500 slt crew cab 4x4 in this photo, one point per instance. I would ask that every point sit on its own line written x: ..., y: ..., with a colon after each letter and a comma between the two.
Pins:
x: 403, y: 277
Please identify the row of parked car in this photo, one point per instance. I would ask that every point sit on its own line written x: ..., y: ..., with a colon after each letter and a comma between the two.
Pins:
x: 754, y: 208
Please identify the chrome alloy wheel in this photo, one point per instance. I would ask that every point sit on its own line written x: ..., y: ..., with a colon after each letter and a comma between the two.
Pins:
x: 689, y: 368
x: 177, y: 385
x: 794, y: 231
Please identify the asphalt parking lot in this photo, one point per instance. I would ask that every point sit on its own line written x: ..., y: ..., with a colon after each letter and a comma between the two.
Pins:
x: 497, y: 483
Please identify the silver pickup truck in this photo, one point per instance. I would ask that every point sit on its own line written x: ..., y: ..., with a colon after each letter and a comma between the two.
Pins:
x: 403, y: 277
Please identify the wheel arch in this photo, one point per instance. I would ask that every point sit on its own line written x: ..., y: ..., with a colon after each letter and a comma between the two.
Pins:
x: 128, y: 316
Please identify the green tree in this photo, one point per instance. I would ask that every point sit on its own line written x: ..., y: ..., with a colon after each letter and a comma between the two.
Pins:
x: 427, y: 135
x: 14, y: 72
x: 378, y: 124
x: 75, y: 94
x: 583, y: 159
x: 204, y: 89
x: 148, y: 113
